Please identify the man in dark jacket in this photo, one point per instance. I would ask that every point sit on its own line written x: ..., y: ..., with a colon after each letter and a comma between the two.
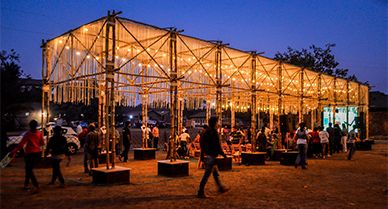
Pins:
x: 91, y: 145
x: 57, y: 147
x: 211, y: 147
x: 127, y: 138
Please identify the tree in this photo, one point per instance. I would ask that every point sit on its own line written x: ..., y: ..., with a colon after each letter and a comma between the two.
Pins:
x: 10, y: 78
x: 315, y: 58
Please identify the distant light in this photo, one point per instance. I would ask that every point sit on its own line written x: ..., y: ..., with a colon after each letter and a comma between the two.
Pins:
x: 88, y: 56
x: 78, y: 53
x: 130, y: 116
x: 67, y: 47
x: 86, y: 29
x: 27, y: 114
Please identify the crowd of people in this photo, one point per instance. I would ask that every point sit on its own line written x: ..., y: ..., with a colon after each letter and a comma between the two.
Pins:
x: 316, y: 143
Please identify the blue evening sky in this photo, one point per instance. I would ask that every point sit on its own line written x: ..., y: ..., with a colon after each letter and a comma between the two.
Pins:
x: 357, y: 27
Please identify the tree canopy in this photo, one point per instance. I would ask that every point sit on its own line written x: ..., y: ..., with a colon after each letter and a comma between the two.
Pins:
x: 315, y: 58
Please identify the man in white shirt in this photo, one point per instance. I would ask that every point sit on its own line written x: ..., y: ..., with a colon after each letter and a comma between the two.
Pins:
x: 324, y: 138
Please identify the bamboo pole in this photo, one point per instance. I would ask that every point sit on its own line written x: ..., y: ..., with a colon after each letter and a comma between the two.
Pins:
x: 253, y: 101
x: 335, y: 99
x: 319, y: 109
x: 280, y: 101
x: 219, y: 84
x: 347, y: 104
x: 300, y: 109
x: 44, y: 50
x: 173, y: 95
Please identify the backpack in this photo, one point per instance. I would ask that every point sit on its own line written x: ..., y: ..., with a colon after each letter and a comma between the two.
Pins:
x: 301, y: 134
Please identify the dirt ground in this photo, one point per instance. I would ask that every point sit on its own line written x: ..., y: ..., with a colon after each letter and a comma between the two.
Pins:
x: 331, y: 183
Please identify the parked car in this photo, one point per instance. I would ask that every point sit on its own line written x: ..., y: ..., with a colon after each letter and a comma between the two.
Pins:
x: 73, y: 144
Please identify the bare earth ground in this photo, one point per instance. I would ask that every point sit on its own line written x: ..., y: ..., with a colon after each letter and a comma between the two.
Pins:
x: 332, y: 183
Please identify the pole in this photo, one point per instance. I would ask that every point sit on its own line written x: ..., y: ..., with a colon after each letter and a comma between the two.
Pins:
x: 367, y: 113
x: 280, y: 88
x: 44, y: 50
x: 173, y: 94
x: 253, y: 101
x: 335, y: 99
x: 109, y: 89
x: 319, y: 110
x: 300, y: 110
x: 218, y: 83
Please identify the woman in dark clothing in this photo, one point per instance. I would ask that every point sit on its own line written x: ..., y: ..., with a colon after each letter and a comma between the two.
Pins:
x: 57, y: 148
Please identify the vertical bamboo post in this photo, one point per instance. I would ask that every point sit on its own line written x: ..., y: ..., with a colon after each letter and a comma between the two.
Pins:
x: 208, y: 110
x: 218, y: 84
x: 367, y: 113
x: 232, y: 106
x: 112, y: 91
x: 253, y: 101
x: 335, y: 99
x: 144, y: 115
x: 319, y: 110
x: 109, y: 88
x: 300, y: 109
x: 347, y: 104
x: 173, y: 94
x: 180, y: 114
x: 280, y: 90
x: 44, y: 50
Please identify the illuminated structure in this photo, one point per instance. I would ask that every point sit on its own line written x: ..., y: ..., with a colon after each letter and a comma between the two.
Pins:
x: 121, y: 61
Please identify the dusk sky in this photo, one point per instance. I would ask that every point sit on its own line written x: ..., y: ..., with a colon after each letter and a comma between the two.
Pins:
x: 357, y: 27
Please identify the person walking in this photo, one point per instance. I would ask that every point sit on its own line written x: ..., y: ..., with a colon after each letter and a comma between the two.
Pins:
x: 57, y: 148
x: 211, y: 147
x: 92, y: 145
x: 330, y: 130
x: 337, y: 138
x: 324, y: 137
x: 155, y: 136
x: 302, y: 137
x: 34, y: 141
x: 352, y: 136
x: 127, y: 138
x: 344, y: 139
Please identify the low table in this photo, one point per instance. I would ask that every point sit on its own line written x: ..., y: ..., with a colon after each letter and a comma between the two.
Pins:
x: 116, y: 175
x: 223, y: 164
x: 277, y: 154
x: 364, y: 145
x: 176, y: 168
x: 144, y: 153
x: 288, y: 158
x: 253, y: 158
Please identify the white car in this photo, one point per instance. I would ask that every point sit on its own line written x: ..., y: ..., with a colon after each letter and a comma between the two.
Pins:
x: 73, y: 144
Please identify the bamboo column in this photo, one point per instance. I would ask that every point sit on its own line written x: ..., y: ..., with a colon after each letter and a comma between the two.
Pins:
x: 367, y: 113
x: 173, y: 94
x: 44, y: 77
x: 218, y: 84
x: 280, y: 88
x: 144, y: 115
x: 232, y: 114
x: 180, y: 114
x: 300, y: 109
x: 208, y: 110
x: 232, y: 104
x: 253, y: 101
x: 335, y: 99
x: 109, y: 88
x: 347, y: 105
x: 319, y: 109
